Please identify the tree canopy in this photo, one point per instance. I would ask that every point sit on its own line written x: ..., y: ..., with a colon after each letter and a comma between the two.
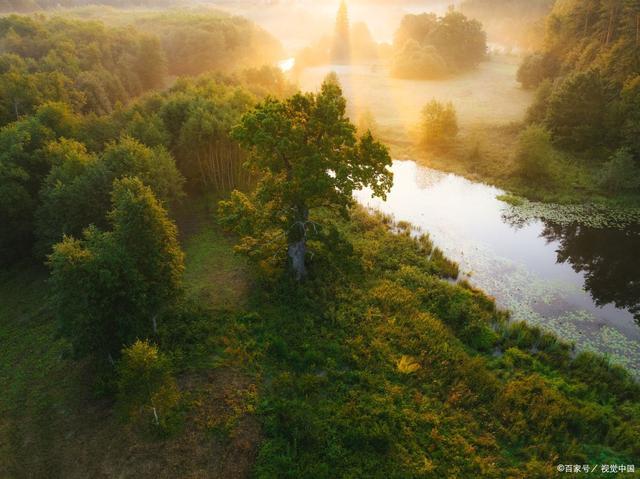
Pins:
x: 85, y: 65
x: 587, y: 72
x: 428, y: 46
x: 308, y: 156
x: 111, y: 288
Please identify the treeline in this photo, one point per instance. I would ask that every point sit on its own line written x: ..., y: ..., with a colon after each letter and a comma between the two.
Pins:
x: 66, y: 135
x: 512, y: 22
x: 95, y: 155
x: 586, y: 35
x: 82, y: 64
x: 93, y: 67
x: 427, y: 46
x: 588, y: 84
x: 198, y: 42
x: 24, y: 6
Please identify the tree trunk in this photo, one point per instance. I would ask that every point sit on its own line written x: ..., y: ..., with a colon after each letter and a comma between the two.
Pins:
x: 297, y: 253
x: 610, y: 27
x: 297, y: 250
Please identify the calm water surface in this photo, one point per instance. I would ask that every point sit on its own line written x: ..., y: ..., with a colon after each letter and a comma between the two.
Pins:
x: 581, y: 283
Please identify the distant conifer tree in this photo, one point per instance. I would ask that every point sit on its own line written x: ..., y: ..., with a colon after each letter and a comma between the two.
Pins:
x: 340, y: 52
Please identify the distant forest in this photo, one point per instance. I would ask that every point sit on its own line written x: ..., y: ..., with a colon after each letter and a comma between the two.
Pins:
x: 93, y: 67
x: 23, y: 6
x: 519, y: 22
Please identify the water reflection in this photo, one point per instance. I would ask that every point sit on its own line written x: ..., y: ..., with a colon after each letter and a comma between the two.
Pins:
x: 608, y: 258
x: 581, y: 283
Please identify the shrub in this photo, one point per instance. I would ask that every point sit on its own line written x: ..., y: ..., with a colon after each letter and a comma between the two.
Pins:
x: 578, y: 112
x: 537, y: 112
x: 147, y: 391
x: 630, y: 99
x: 416, y: 61
x: 620, y: 173
x: 439, y: 124
x: 535, y: 69
x: 536, y: 155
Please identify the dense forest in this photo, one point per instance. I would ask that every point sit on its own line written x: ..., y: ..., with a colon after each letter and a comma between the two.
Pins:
x: 84, y: 65
x: 200, y: 41
x: 588, y: 86
x: 189, y: 288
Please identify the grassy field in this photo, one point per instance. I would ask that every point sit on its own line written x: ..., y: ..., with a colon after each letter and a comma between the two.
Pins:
x: 488, y: 94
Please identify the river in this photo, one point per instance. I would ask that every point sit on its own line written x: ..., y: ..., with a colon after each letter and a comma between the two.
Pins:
x: 581, y: 283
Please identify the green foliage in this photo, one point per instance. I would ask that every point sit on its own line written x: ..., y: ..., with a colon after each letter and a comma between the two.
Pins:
x: 388, y: 376
x: 535, y: 69
x: 532, y: 408
x: 630, y: 106
x: 147, y: 392
x: 591, y: 53
x: 110, y: 288
x: 537, y: 112
x: 427, y: 46
x: 65, y: 196
x: 336, y: 397
x: 82, y: 64
x: 193, y: 120
x: 23, y: 165
x: 76, y: 193
x: 620, y: 173
x: 308, y: 157
x: 536, y: 154
x: 577, y: 114
x: 439, y: 125
x: 594, y: 33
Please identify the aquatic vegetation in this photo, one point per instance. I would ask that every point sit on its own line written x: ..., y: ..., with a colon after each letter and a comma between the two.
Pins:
x: 523, y: 211
x: 510, y: 199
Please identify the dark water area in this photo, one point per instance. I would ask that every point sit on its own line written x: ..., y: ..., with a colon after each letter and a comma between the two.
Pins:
x: 582, y: 283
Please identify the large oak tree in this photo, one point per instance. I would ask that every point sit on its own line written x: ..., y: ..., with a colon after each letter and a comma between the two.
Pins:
x: 307, y: 156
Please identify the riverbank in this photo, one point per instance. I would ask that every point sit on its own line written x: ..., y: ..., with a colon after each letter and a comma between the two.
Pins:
x: 531, y: 257
x: 490, y: 106
x: 487, y: 153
